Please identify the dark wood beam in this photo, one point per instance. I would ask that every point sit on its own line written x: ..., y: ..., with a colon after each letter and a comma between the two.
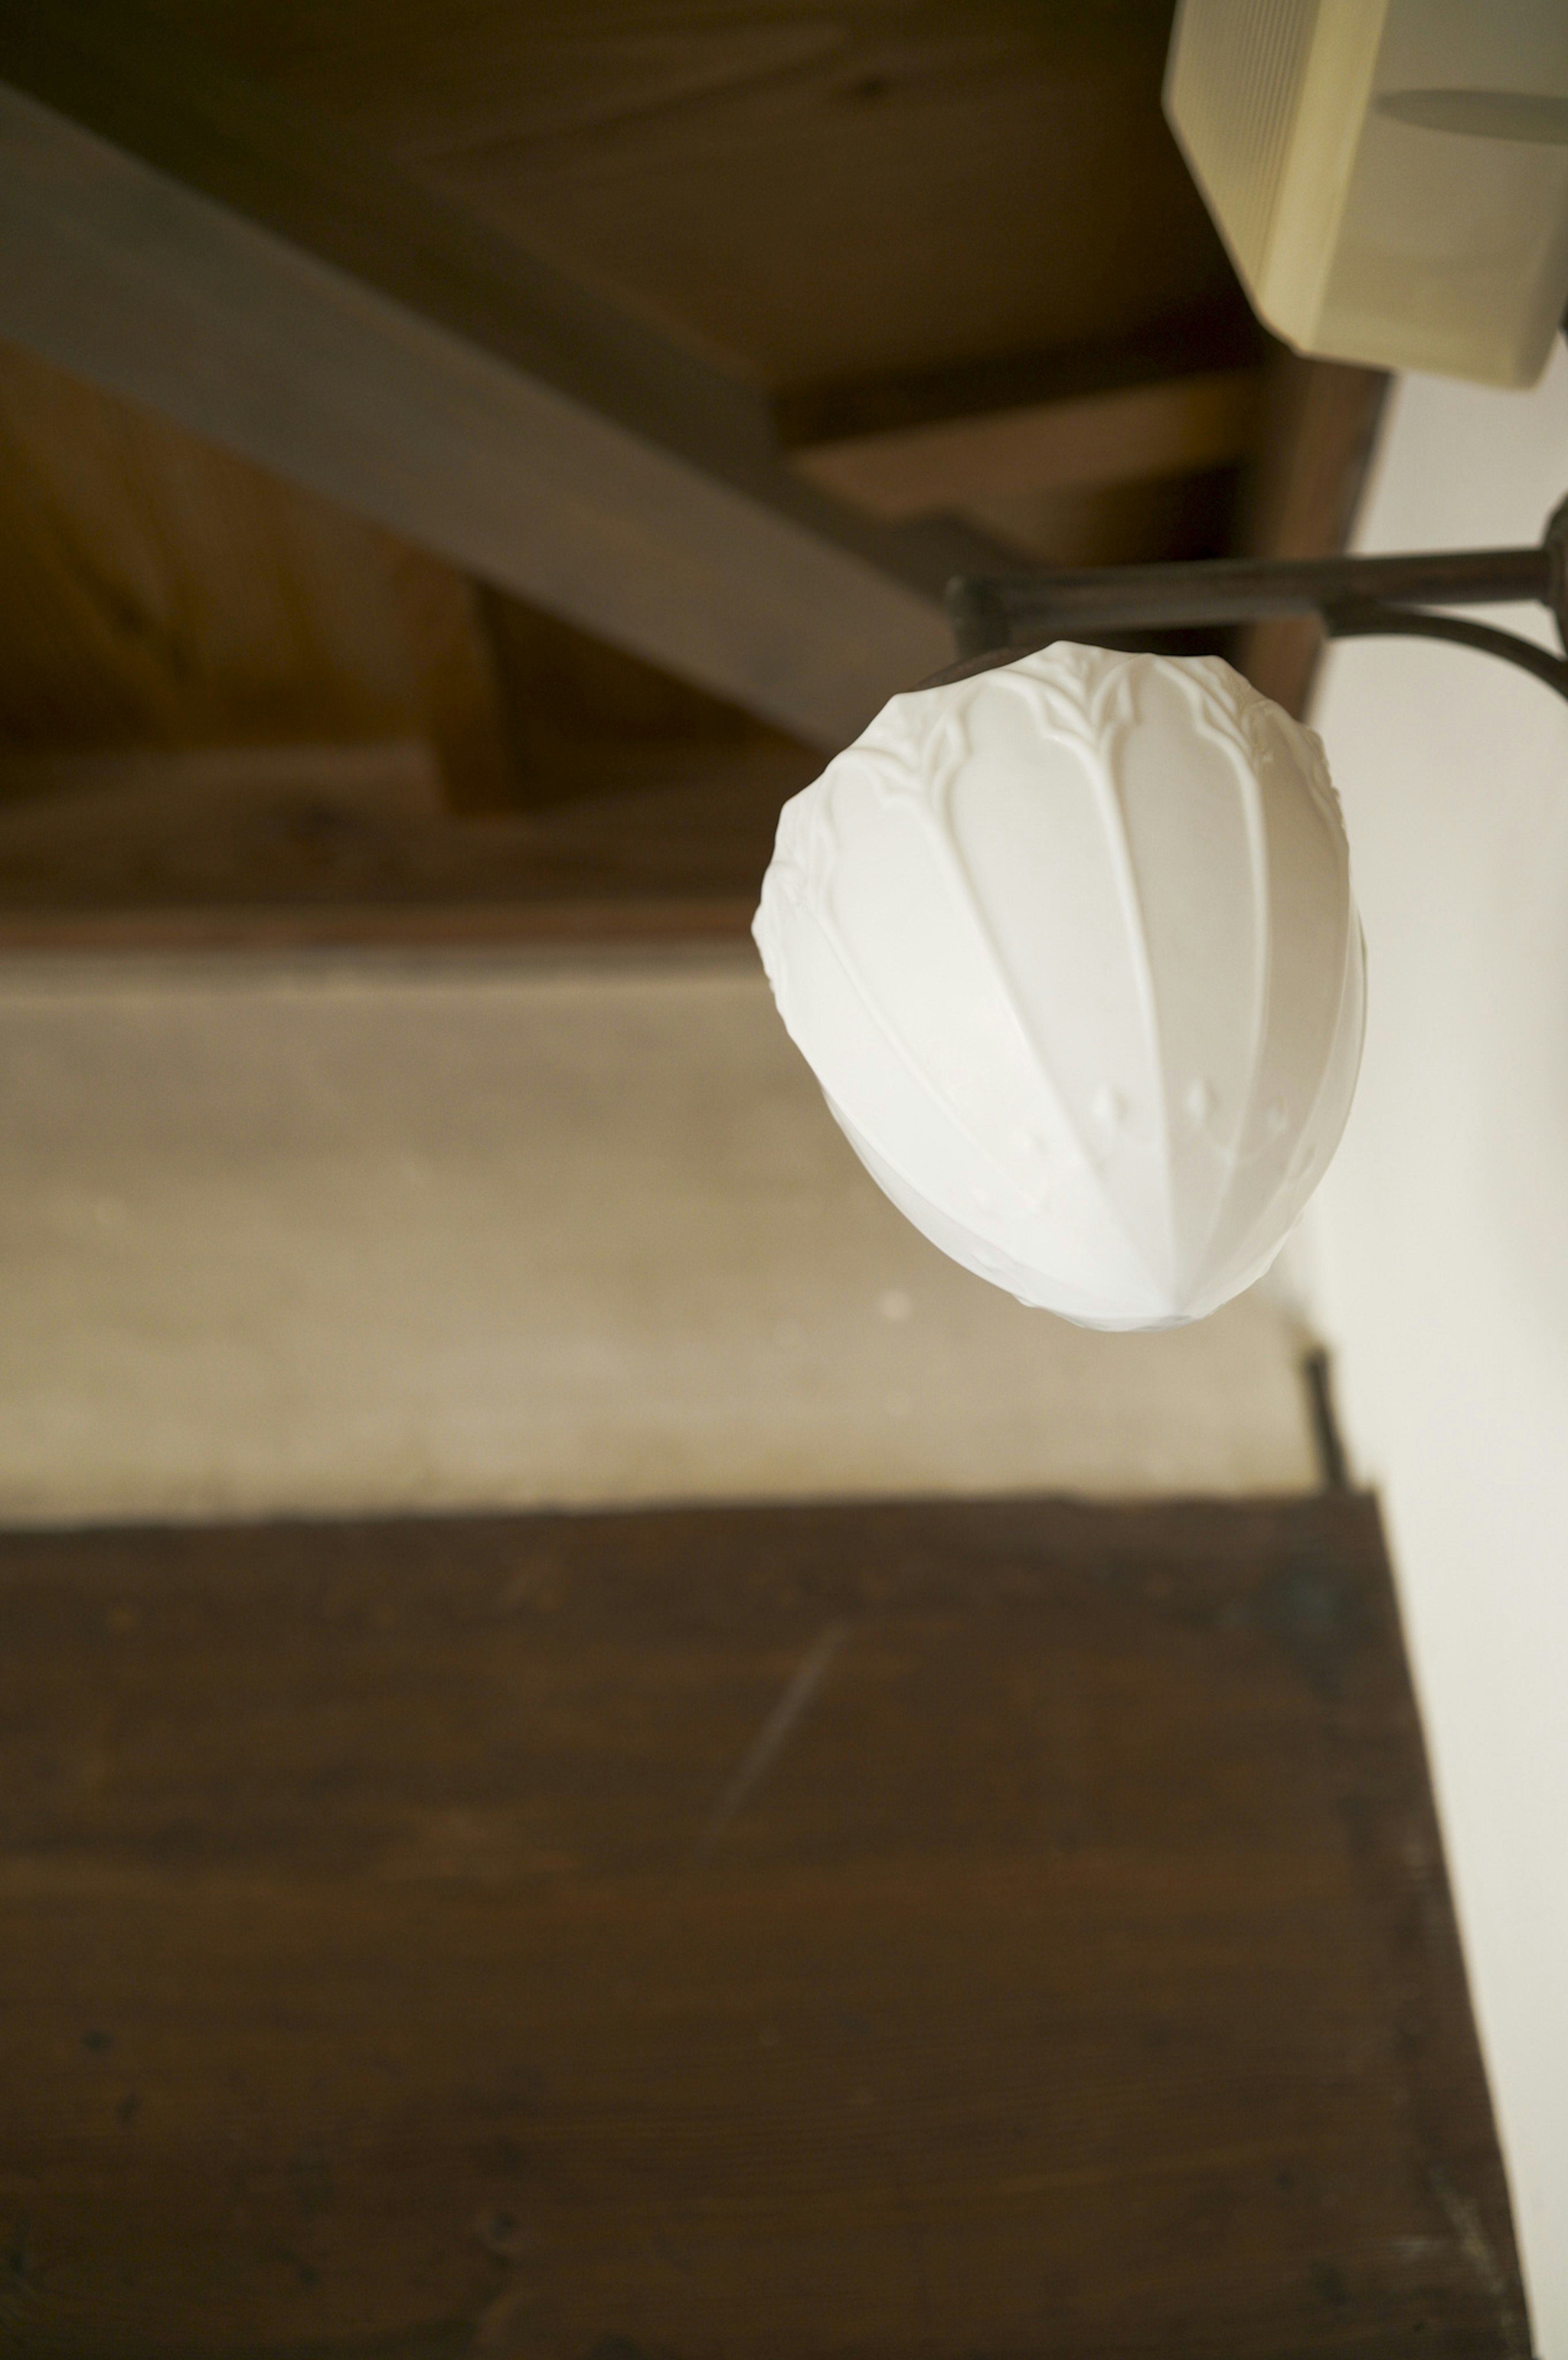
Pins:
x: 185, y: 239
x: 1320, y: 434
x: 1202, y: 340
x: 1178, y: 426
x: 1060, y: 454
x: 284, y: 847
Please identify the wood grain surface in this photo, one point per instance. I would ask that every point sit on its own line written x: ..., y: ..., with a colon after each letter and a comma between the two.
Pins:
x: 805, y: 195
x: 330, y: 844
x: 156, y: 591
x: 212, y: 686
x: 914, y: 1929
x: 516, y: 429
x: 532, y: 285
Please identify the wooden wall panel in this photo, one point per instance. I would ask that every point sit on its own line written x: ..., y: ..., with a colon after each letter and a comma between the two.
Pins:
x: 1004, y: 1928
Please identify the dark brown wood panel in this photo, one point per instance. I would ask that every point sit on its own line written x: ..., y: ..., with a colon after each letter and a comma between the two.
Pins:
x: 808, y: 193
x: 1013, y: 1927
x: 1217, y: 335
x: 333, y: 845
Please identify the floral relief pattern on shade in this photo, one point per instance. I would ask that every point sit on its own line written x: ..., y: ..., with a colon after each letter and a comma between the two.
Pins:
x: 1071, y: 947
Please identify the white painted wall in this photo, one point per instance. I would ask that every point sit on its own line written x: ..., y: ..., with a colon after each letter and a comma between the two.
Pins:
x: 1441, y: 1237
x: 311, y: 1235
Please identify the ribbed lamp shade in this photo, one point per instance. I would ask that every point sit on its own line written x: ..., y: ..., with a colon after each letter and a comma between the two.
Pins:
x: 1071, y: 947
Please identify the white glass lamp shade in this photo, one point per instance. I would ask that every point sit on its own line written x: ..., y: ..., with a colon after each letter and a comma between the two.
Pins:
x: 1071, y: 947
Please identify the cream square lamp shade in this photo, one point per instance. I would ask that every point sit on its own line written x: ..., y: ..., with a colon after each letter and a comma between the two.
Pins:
x: 1071, y: 947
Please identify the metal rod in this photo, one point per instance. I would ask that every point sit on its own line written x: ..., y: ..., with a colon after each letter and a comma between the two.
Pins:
x: 1007, y: 610
x: 1380, y: 622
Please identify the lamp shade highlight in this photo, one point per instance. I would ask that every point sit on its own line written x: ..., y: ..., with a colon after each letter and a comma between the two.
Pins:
x: 1071, y: 947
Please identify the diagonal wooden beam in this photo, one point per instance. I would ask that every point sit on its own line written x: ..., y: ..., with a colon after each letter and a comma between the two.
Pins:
x: 185, y: 240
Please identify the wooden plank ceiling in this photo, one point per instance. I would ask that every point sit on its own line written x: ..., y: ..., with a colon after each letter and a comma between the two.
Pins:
x: 595, y: 396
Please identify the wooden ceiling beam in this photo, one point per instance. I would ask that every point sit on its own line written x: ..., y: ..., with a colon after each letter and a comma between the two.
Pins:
x: 290, y: 846
x: 1046, y: 449
x: 1320, y: 437
x: 182, y: 239
x: 1128, y: 435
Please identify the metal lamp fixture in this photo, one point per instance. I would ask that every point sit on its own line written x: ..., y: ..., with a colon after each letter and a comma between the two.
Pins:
x: 1068, y: 937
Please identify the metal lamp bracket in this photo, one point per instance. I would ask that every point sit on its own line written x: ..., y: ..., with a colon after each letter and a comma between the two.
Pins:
x: 996, y: 617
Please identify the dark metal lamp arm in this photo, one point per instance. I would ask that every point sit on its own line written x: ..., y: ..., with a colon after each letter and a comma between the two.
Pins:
x: 1356, y: 597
